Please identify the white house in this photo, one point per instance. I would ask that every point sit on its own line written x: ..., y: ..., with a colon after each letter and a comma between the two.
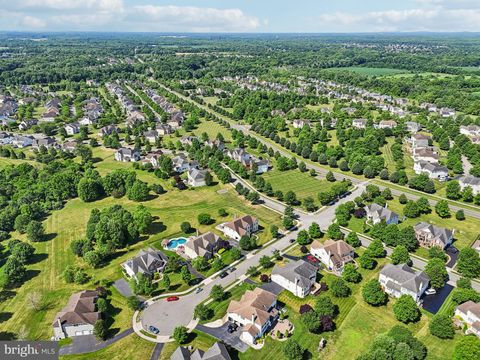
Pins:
x: 256, y: 312
x: 472, y: 181
x: 72, y: 129
x: 235, y: 229
x: 333, y: 254
x: 197, y: 177
x: 413, y: 126
x: 298, y: 277
x: 398, y: 280
x: 387, y: 124
x: 359, y: 123
x: 419, y: 140
x: 182, y: 164
x: 469, y: 314
x: 377, y: 213
x: 151, y: 136
x: 425, y: 154
x: 127, y: 155
x: 78, y: 317
x: 470, y: 130
x: 434, y: 171
x: 299, y: 123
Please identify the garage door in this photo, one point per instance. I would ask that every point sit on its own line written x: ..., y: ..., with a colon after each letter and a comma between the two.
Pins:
x: 86, y: 332
x: 78, y: 333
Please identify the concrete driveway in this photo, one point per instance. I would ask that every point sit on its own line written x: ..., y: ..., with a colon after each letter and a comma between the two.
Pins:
x: 223, y: 335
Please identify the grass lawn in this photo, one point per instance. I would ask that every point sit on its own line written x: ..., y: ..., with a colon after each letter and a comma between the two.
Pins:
x: 131, y: 347
x: 371, y: 71
x: 212, y: 129
x: 302, y: 184
x: 197, y: 340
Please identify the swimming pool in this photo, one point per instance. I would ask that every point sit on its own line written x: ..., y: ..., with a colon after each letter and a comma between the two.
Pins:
x: 174, y: 243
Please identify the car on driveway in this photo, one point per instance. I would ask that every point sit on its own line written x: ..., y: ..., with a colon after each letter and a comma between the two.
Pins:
x: 452, y: 250
x: 172, y: 298
x: 153, y: 329
x: 430, y: 291
x: 312, y: 259
x: 223, y: 275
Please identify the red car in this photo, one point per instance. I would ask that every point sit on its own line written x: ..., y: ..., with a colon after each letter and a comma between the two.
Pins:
x: 311, y: 258
x: 173, y: 298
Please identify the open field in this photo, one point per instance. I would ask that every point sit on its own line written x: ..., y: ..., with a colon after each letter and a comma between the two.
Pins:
x: 371, y: 71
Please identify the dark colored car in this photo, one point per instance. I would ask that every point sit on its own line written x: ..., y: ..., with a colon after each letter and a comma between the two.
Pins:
x: 153, y: 329
x: 223, y: 274
x: 452, y: 250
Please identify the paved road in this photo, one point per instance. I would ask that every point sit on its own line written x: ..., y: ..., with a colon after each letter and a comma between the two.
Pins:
x: 157, y: 351
x: 223, y: 335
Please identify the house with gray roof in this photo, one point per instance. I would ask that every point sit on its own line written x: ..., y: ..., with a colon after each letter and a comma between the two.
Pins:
x: 298, y: 277
x: 127, y: 155
x: 398, y: 280
x: 413, y: 126
x: 147, y: 262
x: 434, y: 171
x: 218, y: 351
x: 377, y: 213
x: 471, y: 181
x: 429, y: 235
x: 197, y: 177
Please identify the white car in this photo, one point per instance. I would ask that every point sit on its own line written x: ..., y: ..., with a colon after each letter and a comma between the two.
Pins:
x: 430, y: 291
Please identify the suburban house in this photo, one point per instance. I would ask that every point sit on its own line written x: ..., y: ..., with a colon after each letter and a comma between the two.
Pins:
x: 152, y: 158
x: 27, y: 124
x: 203, y: 245
x: 401, y: 279
x: 299, y: 124
x: 298, y: 277
x: 359, y: 123
x: 127, y: 155
x: 262, y: 165
x: 21, y: 141
x: 238, y: 154
x: 78, y: 317
x: 387, y: 124
x: 377, y: 213
x: 197, y: 177
x: 413, y: 126
x: 147, y: 262
x: 163, y: 129
x: 470, y: 130
x: 107, y: 130
x: 49, y: 116
x: 429, y: 235
x: 434, y: 171
x: 72, y: 129
x: 215, y: 144
x: 151, y: 136
x: 218, y: 351
x: 333, y: 254
x: 235, y: 229
x: 48, y: 142
x: 256, y: 312
x: 472, y: 181
x: 419, y: 140
x: 71, y: 145
x: 182, y: 164
x: 469, y: 314
x: 425, y: 154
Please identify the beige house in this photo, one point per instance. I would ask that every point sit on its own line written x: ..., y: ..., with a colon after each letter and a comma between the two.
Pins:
x: 78, y: 317
x: 469, y: 314
x: 202, y: 245
x: 256, y: 312
x: 333, y: 254
x: 246, y: 225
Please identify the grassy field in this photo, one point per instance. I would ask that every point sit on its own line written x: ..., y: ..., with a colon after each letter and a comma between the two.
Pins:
x: 212, y: 129
x: 302, y: 184
x: 371, y: 71
x: 69, y: 223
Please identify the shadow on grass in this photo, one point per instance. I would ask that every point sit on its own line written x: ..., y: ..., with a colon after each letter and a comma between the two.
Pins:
x: 157, y: 227
x: 4, y: 316
x: 36, y: 258
x: 6, y: 294
x: 48, y: 237
x: 7, y: 335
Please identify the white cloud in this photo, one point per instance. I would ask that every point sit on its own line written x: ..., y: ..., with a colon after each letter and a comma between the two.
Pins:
x: 32, y: 22
x: 189, y: 18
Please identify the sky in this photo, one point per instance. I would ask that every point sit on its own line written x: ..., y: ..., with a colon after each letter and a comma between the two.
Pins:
x: 241, y: 16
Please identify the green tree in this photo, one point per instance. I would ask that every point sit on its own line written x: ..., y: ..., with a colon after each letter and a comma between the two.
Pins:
x: 180, y: 334
x: 411, y: 210
x: 202, y: 312
x: 14, y: 271
x: 353, y: 240
x: 351, y: 274
x: 235, y: 253
x: 334, y: 232
x: 217, y: 293
x: 139, y: 191
x: 437, y: 272
x: 303, y: 238
x: 274, y: 231
x: 35, y: 231
x: 460, y: 215
x: 102, y: 305
x: 339, y: 288
x: 311, y: 320
x: 204, y: 219
x: 100, y: 329
x: 405, y: 309
x: 186, y: 275
x: 442, y: 209
x: 468, y: 348
x: 376, y: 249
x: 292, y: 350
x: 133, y: 302
x: 186, y: 227
x: 325, y: 306
x: 400, y: 255
x: 441, y: 326
x: 247, y: 243
x: 367, y: 261
x: 453, y: 190
x: 373, y: 294
x: 402, y: 199
x: 266, y: 262
x: 314, y: 231
x: 142, y: 218
x: 468, y: 263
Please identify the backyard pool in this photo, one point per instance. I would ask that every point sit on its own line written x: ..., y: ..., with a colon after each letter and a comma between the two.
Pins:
x: 174, y: 243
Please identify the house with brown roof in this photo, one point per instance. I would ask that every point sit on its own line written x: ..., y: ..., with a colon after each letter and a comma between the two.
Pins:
x: 419, y: 140
x: 256, y: 312
x: 333, y: 254
x: 468, y: 313
x: 203, y: 245
x: 78, y: 317
x: 429, y: 235
x: 246, y: 225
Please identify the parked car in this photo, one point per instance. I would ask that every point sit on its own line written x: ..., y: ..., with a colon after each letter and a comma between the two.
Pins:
x: 232, y: 327
x: 430, y: 291
x: 172, y: 298
x: 199, y: 289
x: 312, y: 258
x: 223, y: 274
x: 153, y: 329
x: 292, y: 241
x: 452, y: 250
x: 232, y: 269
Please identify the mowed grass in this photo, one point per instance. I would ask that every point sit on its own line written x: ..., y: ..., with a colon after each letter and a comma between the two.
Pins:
x: 131, y: 347
x: 212, y: 129
x: 302, y: 184
x: 68, y: 224
x: 371, y: 71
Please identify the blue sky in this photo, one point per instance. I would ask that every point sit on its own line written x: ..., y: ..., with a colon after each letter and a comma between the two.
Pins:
x: 241, y: 15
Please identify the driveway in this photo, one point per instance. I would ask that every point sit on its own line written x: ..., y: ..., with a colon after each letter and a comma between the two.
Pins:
x: 272, y: 287
x: 452, y: 258
x: 123, y: 287
x: 223, y: 335
x: 433, y: 303
x: 88, y: 343
x: 157, y: 351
